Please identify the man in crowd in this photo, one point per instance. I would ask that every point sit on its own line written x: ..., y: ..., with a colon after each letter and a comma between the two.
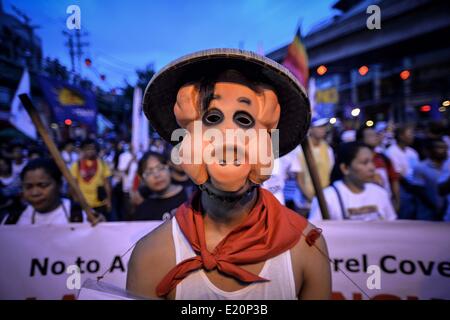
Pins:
x: 404, y: 159
x: 323, y: 157
x: 92, y: 175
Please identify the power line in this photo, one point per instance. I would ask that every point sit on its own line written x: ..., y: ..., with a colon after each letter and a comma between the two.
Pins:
x: 70, y: 45
x: 79, y: 46
x: 118, y: 61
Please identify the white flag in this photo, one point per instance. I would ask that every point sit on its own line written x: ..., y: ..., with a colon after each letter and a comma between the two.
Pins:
x: 312, y: 94
x: 19, y: 116
x: 139, y: 133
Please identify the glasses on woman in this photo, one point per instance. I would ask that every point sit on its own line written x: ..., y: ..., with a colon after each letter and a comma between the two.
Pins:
x: 154, y: 171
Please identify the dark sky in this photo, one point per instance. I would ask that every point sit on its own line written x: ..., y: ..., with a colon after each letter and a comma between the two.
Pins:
x: 125, y: 35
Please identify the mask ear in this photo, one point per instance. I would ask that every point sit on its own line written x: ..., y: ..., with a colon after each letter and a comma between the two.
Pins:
x: 186, y: 107
x: 269, y: 109
x: 186, y: 111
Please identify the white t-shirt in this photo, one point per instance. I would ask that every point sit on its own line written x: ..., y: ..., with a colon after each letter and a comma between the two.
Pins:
x: 371, y: 204
x: 403, y: 161
x: 288, y: 163
x: 60, y: 215
x: 69, y: 157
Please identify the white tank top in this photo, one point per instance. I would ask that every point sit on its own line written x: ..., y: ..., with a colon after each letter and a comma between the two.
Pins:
x: 197, y: 286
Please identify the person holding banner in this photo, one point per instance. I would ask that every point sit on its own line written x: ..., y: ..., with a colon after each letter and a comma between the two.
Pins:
x: 232, y: 239
x: 41, y: 185
x: 352, y: 195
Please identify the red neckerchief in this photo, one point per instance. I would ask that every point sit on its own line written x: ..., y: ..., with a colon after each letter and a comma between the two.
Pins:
x: 88, y: 169
x: 269, y: 230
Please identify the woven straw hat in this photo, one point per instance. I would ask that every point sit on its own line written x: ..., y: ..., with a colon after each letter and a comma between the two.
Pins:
x: 161, y: 92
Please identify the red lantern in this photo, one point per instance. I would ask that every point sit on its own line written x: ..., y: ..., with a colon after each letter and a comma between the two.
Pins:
x: 405, y: 74
x: 363, y: 70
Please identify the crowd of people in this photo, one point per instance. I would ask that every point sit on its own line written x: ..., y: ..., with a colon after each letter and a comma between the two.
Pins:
x: 378, y: 172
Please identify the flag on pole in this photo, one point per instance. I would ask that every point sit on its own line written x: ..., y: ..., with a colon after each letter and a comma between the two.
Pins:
x: 312, y: 95
x: 296, y: 60
x: 139, y: 132
x: 19, y: 117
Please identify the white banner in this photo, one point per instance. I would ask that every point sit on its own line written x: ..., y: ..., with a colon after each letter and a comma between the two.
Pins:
x: 412, y: 257
x: 403, y: 259
x: 34, y: 259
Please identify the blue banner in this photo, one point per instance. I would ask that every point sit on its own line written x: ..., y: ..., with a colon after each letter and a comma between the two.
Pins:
x: 70, y: 102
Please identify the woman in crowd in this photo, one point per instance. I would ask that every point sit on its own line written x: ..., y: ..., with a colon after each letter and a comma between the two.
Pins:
x: 41, y: 187
x: 160, y: 195
x: 352, y: 196
x: 10, y: 199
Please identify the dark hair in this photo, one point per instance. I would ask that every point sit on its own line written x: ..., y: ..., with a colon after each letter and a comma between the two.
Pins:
x: 436, y: 128
x: 88, y: 142
x: 143, y: 161
x: 401, y: 129
x: 207, y: 83
x: 48, y: 165
x: 8, y: 163
x: 66, y: 143
x: 360, y: 132
x: 347, y: 152
x: 430, y: 143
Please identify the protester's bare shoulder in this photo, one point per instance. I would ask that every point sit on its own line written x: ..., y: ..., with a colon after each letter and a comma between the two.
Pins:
x: 311, y: 267
x: 151, y: 260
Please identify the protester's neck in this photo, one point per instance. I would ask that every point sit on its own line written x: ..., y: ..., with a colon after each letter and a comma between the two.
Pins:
x: 354, y: 186
x: 402, y: 145
x: 167, y: 192
x: 315, y: 142
x: 225, y: 216
x: 51, y: 208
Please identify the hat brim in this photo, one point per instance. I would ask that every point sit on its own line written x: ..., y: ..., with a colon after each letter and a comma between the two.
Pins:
x: 320, y: 122
x: 161, y: 92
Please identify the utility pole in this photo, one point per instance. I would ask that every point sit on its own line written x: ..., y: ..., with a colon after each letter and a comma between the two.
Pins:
x: 79, y: 46
x: 70, y: 45
x: 29, y: 29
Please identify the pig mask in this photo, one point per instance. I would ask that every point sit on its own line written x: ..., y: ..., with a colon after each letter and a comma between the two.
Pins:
x: 232, y: 105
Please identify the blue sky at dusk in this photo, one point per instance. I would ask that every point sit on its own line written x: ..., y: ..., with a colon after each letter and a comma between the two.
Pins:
x: 125, y: 35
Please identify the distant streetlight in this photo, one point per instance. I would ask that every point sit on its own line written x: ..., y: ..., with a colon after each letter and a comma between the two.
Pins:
x: 333, y: 120
x: 355, y: 112
x: 321, y: 70
x: 446, y: 103
x: 369, y: 123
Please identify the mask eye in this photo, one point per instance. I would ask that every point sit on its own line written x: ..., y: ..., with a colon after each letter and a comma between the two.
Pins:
x: 212, y: 117
x: 243, y: 119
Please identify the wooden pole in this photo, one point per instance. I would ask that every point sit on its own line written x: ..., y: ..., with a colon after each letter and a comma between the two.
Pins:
x: 58, y: 159
x: 311, y: 163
